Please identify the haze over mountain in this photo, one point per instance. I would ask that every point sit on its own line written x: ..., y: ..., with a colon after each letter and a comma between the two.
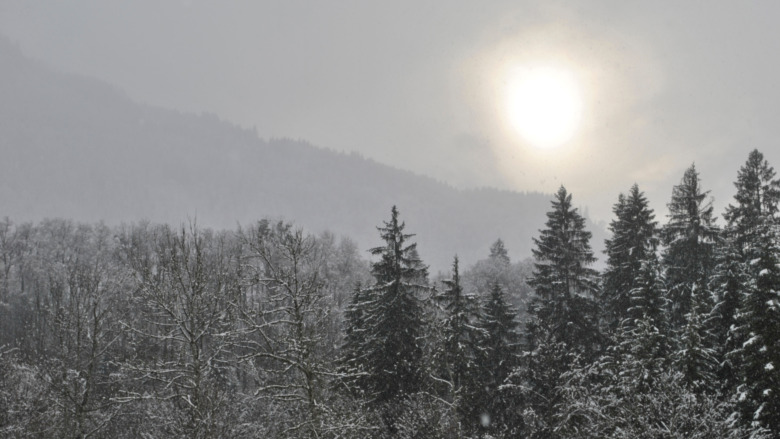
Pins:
x: 76, y: 147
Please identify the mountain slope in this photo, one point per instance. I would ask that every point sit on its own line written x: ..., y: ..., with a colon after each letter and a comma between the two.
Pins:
x: 78, y: 148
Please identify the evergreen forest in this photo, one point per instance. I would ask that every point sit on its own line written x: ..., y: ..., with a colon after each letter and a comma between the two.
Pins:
x: 148, y: 330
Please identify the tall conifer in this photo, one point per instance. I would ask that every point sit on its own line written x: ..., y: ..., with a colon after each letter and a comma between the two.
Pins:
x: 563, y: 281
x: 757, y: 198
x: 497, y: 356
x: 457, y: 352
x: 391, y: 351
x: 633, y: 241
x: 758, y: 324
x: 750, y: 220
x: 564, y: 324
x: 690, y: 237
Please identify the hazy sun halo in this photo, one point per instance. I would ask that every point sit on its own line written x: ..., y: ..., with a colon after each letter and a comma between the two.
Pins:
x: 545, y: 105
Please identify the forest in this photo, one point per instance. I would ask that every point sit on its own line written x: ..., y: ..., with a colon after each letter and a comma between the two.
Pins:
x: 148, y: 330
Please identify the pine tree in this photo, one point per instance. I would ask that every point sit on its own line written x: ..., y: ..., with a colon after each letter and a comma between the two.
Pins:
x: 390, y: 349
x: 756, y: 208
x: 695, y: 356
x: 498, y: 355
x: 456, y: 362
x: 564, y: 283
x: 730, y: 276
x: 758, y: 324
x: 758, y: 195
x: 643, y: 344
x: 351, y: 359
x: 460, y: 336
x: 563, y: 326
x: 690, y: 237
x: 648, y: 297
x: 633, y: 241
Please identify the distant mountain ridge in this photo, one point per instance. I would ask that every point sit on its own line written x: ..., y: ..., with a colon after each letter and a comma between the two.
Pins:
x: 78, y: 148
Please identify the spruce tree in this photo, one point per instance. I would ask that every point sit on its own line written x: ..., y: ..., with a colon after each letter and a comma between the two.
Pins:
x: 758, y: 324
x: 648, y: 296
x: 695, y: 356
x: 757, y: 198
x: 690, y: 237
x: 643, y: 339
x: 563, y: 281
x: 352, y: 362
x: 727, y: 283
x: 633, y: 241
x: 392, y: 317
x: 460, y: 336
x: 497, y: 356
x: 642, y: 347
x: 755, y: 209
x: 564, y: 324
x: 646, y: 331
x: 457, y: 353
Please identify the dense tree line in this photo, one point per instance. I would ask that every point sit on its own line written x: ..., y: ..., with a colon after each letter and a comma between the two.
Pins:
x: 152, y: 331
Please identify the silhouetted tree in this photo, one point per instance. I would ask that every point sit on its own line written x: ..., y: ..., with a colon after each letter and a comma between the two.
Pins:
x: 757, y: 358
x: 563, y: 281
x: 564, y: 322
x: 390, y: 352
x: 455, y: 363
x: 633, y: 241
x: 498, y: 355
x: 757, y: 198
x: 690, y: 237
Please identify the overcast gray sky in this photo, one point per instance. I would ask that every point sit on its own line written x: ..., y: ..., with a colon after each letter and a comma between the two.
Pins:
x: 421, y: 85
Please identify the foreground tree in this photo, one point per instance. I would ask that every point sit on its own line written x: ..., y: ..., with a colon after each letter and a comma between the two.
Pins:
x: 690, y: 237
x: 695, y: 356
x: 564, y: 322
x: 729, y: 277
x: 757, y: 198
x: 389, y: 353
x: 564, y: 308
x: 632, y: 391
x: 606, y: 403
x: 633, y: 242
x: 755, y: 207
x: 758, y: 323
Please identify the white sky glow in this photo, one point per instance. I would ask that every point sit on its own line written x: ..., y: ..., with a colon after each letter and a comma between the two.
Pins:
x: 544, y: 105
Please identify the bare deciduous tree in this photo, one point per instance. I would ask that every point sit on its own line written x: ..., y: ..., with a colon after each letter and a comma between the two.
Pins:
x: 285, y: 322
x: 186, y: 282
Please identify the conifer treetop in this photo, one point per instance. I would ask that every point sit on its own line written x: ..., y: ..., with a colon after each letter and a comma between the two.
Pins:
x: 757, y: 198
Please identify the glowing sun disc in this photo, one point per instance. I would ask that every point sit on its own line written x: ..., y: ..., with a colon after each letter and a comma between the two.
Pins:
x: 545, y: 106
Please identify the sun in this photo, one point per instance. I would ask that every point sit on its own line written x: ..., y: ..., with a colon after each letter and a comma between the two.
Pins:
x: 544, y: 105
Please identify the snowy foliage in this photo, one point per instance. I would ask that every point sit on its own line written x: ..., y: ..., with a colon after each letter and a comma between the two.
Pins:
x: 388, y: 357
x: 690, y: 237
x: 634, y: 240
x: 152, y: 331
